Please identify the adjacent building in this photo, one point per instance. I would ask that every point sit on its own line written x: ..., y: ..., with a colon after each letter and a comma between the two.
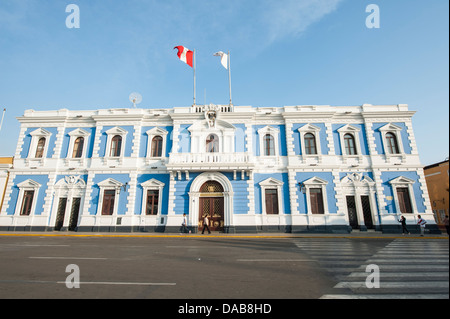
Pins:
x: 437, y: 177
x: 283, y: 169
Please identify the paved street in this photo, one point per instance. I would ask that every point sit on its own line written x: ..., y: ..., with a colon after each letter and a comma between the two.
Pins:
x: 221, y: 267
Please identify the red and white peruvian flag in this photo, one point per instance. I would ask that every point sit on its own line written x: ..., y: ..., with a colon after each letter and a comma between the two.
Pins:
x: 185, y: 55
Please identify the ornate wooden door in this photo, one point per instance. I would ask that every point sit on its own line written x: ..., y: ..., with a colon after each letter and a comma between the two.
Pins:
x: 351, y: 209
x: 213, y: 207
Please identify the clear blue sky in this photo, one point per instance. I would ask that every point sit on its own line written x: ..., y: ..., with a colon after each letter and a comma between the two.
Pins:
x: 283, y: 52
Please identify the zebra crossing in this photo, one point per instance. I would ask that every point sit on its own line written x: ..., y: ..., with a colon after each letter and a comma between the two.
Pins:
x: 407, y: 268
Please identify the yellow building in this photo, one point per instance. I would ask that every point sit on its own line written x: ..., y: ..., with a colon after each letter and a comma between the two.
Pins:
x: 437, y: 177
x: 5, y: 164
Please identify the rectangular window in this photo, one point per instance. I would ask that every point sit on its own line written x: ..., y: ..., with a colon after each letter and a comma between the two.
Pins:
x: 27, y: 202
x: 316, y: 199
x: 108, y: 202
x: 404, y: 201
x: 152, y: 202
x: 271, y: 201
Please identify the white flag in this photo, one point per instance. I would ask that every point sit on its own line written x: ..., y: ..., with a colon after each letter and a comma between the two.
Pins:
x: 223, y: 59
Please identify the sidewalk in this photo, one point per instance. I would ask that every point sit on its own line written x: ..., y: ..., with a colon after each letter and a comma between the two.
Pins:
x: 353, y: 235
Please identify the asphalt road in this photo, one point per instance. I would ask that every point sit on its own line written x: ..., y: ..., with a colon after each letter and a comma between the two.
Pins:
x: 171, y: 268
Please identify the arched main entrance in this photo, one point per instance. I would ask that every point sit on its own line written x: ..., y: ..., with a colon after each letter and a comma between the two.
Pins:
x: 212, y: 205
x: 211, y: 192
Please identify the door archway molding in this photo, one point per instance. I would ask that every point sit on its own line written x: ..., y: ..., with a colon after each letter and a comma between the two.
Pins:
x: 194, y: 197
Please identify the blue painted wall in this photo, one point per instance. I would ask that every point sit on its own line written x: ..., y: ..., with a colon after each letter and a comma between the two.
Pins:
x: 387, y: 190
x: 331, y: 193
x: 95, y: 193
x: 89, y: 140
x: 164, y: 197
x: 322, y: 136
x: 362, y: 138
x: 144, y: 140
x: 282, y: 149
x: 27, y: 141
x: 283, y: 177
x: 128, y: 143
x: 41, y: 179
x: 378, y: 137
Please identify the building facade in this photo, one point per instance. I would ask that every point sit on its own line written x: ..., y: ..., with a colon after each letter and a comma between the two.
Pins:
x: 437, y: 176
x: 289, y: 169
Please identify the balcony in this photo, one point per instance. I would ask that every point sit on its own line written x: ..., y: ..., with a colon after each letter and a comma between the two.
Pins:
x: 210, y: 161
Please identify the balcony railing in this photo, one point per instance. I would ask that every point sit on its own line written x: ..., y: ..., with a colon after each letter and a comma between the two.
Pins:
x: 210, y: 158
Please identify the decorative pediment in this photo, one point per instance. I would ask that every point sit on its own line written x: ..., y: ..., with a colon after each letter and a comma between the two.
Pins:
x: 315, y: 181
x: 348, y: 128
x: 71, y: 181
x: 271, y: 182
x: 40, y: 132
x: 390, y: 127
x: 204, y: 125
x: 110, y: 182
x: 156, y: 131
x: 29, y: 183
x: 402, y: 180
x: 309, y: 128
x: 79, y: 132
x: 116, y: 131
x: 153, y: 183
x: 268, y: 130
x: 357, y: 178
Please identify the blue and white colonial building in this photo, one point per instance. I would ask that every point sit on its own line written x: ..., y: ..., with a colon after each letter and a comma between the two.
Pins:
x: 287, y: 169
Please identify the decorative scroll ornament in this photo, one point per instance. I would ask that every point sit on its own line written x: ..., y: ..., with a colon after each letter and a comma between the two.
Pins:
x: 211, y: 114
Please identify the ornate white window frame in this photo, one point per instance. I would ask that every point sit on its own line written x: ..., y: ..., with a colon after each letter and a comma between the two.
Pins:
x: 156, y: 131
x: 73, y: 137
x: 111, y: 133
x: 396, y: 130
x: 152, y: 184
x: 36, y: 135
x: 354, y: 131
x: 403, y: 182
x: 201, y: 130
x: 108, y: 184
x: 272, y: 183
x: 314, y: 130
x: 28, y: 185
x: 316, y: 182
x: 276, y: 137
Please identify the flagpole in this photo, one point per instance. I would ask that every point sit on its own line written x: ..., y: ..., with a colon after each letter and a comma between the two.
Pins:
x: 194, y: 77
x: 229, y: 76
x: 3, y: 116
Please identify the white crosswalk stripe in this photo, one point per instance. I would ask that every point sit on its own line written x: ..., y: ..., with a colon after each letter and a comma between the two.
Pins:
x: 408, y: 269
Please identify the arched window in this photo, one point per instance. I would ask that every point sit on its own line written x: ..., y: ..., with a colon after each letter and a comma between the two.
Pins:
x: 392, y: 144
x: 269, y: 145
x: 78, y: 147
x: 157, y: 142
x: 116, y: 146
x: 40, y: 148
x: 310, y: 144
x: 350, y: 146
x: 212, y: 143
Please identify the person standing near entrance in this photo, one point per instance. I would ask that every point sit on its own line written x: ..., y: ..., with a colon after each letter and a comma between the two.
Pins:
x: 404, y: 229
x: 184, y: 229
x: 421, y: 222
x: 206, y: 224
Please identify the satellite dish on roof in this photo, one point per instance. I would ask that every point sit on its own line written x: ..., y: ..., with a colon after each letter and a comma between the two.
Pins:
x: 135, y: 98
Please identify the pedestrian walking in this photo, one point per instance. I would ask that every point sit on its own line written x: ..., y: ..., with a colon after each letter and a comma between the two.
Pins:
x: 206, y: 224
x: 404, y: 229
x: 184, y: 229
x: 421, y: 222
x: 446, y: 224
